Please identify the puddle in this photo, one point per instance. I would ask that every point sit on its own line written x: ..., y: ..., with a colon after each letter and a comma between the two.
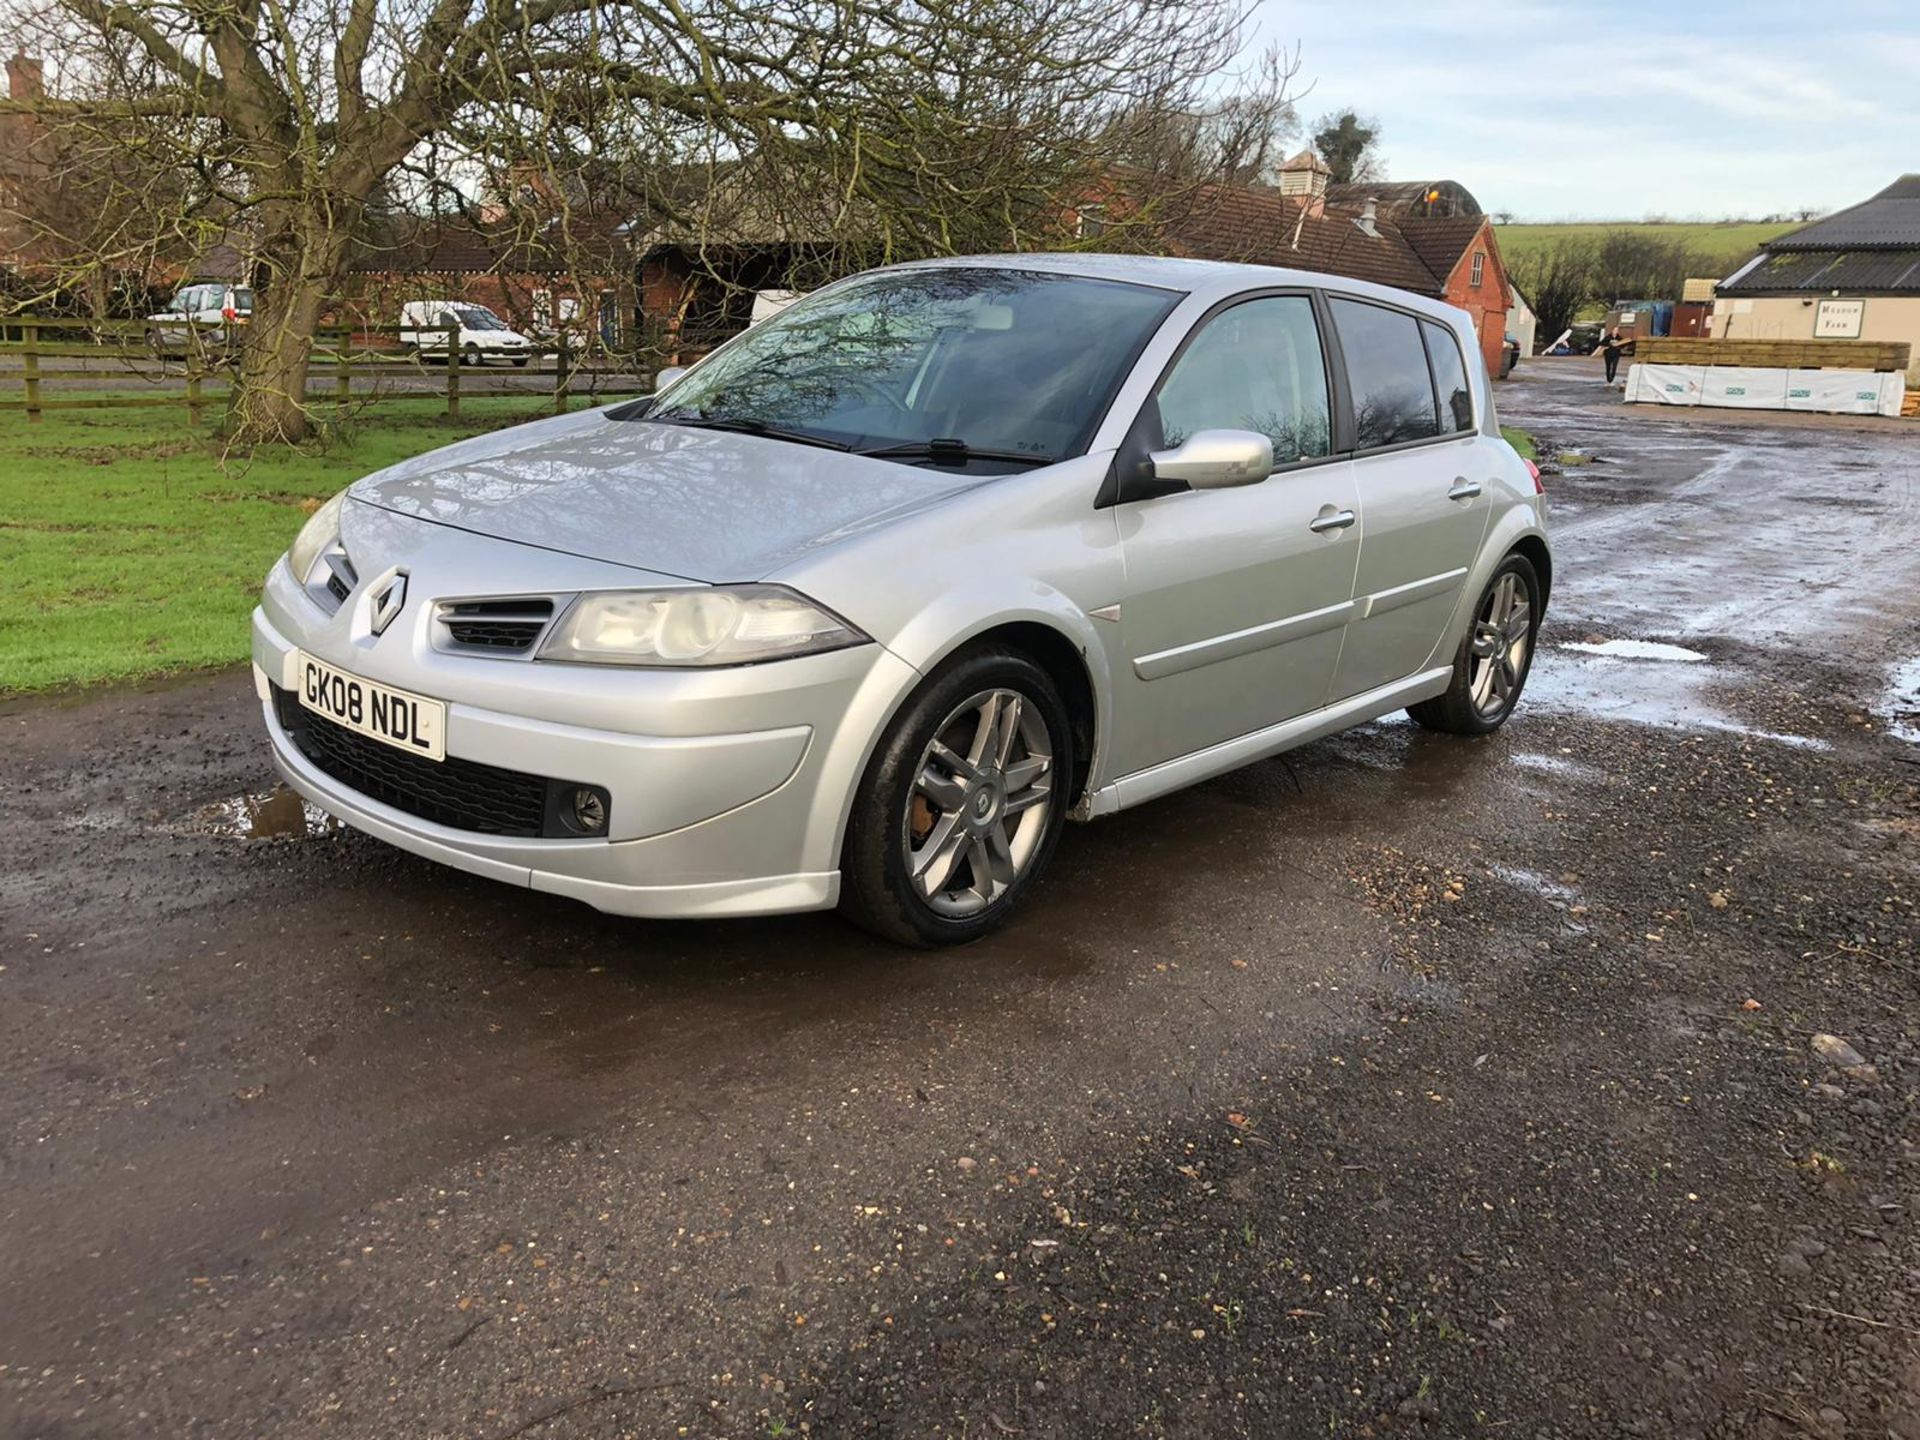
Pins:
x: 1669, y: 696
x: 276, y: 814
x: 1634, y: 650
x: 1554, y: 765
x: 1534, y: 883
x: 1902, y: 703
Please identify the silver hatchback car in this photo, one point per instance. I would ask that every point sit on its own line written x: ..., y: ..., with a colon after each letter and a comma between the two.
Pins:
x: 862, y: 608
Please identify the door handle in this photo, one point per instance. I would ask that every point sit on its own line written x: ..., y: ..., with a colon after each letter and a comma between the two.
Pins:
x: 1339, y: 520
x: 1464, y: 489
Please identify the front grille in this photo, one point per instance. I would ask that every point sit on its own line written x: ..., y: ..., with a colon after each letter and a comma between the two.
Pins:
x: 461, y: 794
x: 501, y: 626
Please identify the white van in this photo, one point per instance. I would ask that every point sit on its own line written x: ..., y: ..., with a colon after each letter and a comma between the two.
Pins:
x: 201, y: 313
x: 484, y: 335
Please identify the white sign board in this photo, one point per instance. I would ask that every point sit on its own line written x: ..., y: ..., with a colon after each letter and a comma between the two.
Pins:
x: 1839, y: 319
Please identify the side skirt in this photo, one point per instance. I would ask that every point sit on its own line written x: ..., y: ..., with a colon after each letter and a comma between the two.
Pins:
x: 1171, y: 775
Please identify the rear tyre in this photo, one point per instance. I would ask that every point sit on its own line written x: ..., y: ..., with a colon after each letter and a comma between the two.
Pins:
x: 1490, y: 668
x: 470, y: 356
x: 961, y: 805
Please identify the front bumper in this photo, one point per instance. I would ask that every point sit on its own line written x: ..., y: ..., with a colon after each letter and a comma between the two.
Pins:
x: 729, y: 789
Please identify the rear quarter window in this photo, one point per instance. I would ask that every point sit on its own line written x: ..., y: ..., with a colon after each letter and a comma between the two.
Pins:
x: 1449, y: 377
x: 1387, y: 373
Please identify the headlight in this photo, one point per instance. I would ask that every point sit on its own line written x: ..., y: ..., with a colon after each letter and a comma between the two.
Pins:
x: 320, y: 531
x: 736, y: 625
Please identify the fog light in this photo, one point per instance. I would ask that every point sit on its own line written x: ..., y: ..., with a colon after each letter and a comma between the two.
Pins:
x: 589, y: 811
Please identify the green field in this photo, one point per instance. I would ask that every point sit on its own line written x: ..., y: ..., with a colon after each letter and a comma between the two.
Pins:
x: 1725, y: 243
x: 129, y: 547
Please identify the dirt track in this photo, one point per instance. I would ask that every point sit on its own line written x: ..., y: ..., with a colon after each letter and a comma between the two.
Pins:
x: 1406, y: 1086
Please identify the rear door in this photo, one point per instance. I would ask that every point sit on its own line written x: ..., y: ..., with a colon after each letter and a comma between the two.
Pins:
x: 1236, y: 599
x: 1419, y: 466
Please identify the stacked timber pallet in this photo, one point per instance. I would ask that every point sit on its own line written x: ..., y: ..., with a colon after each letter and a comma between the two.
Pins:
x: 1880, y: 355
x: 1910, y: 407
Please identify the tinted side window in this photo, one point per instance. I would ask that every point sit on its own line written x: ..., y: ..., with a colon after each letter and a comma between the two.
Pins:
x: 1254, y: 367
x: 1449, y: 377
x: 1387, y: 369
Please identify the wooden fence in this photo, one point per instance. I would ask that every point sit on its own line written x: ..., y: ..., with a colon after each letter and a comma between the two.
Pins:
x: 192, y: 364
x: 1776, y: 354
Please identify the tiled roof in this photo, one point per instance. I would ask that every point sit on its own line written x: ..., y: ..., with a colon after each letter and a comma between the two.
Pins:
x: 452, y: 246
x: 1257, y: 227
x: 1440, y: 243
x: 1889, y: 271
x: 1887, y: 221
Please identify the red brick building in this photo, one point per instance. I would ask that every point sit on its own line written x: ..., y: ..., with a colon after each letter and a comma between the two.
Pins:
x: 22, y: 163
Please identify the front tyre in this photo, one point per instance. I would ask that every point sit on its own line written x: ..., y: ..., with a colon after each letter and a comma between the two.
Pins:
x: 1490, y: 667
x: 961, y: 805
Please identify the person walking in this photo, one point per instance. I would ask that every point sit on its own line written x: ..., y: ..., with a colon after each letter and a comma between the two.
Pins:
x: 1610, y: 345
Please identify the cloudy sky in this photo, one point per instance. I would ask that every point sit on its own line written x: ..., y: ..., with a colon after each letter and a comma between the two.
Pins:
x: 1579, y: 110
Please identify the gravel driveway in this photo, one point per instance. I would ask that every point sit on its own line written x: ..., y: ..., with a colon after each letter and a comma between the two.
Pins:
x: 1404, y: 1086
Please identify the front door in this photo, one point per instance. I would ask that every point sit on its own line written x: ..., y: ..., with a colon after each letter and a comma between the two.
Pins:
x: 1236, y: 600
x: 1419, y: 465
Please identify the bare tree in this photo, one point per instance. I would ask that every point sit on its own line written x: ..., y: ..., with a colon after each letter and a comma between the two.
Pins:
x: 1557, y: 280
x: 1238, y: 137
x: 1635, y: 265
x: 949, y: 126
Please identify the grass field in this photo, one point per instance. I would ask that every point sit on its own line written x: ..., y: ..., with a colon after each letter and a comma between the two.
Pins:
x: 1727, y: 244
x: 1522, y: 442
x: 127, y: 548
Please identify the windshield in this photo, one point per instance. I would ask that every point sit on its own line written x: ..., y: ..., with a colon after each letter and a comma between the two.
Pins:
x: 478, y: 317
x: 1017, y: 363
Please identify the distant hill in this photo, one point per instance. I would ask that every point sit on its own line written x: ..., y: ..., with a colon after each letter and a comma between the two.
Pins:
x: 1723, y: 243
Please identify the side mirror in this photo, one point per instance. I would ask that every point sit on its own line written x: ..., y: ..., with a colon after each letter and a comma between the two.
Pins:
x: 666, y: 376
x: 1216, y: 459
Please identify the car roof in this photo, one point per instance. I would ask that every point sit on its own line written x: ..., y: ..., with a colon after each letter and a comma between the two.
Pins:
x: 1208, y: 280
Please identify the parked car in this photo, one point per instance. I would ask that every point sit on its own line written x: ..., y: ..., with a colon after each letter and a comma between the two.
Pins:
x: 863, y: 607
x: 1513, y: 356
x: 207, y: 314
x: 484, y: 336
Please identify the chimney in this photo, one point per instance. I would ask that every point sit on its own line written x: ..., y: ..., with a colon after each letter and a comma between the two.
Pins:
x: 26, y: 78
x: 1369, y: 213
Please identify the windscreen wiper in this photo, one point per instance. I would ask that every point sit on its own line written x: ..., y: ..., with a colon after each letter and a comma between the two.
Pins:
x: 945, y: 451
x: 748, y: 426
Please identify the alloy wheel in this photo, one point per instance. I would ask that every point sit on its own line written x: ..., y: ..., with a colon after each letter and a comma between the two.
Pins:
x: 978, y: 810
x: 1502, y: 638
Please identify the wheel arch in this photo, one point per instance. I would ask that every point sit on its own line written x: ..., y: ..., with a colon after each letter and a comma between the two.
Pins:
x: 1073, y: 662
x: 1534, y: 547
x: 1066, y: 666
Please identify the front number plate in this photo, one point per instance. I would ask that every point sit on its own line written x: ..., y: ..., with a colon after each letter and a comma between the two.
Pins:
x: 398, y: 718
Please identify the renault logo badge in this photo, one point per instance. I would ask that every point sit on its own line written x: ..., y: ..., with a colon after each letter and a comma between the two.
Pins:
x: 386, y: 601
